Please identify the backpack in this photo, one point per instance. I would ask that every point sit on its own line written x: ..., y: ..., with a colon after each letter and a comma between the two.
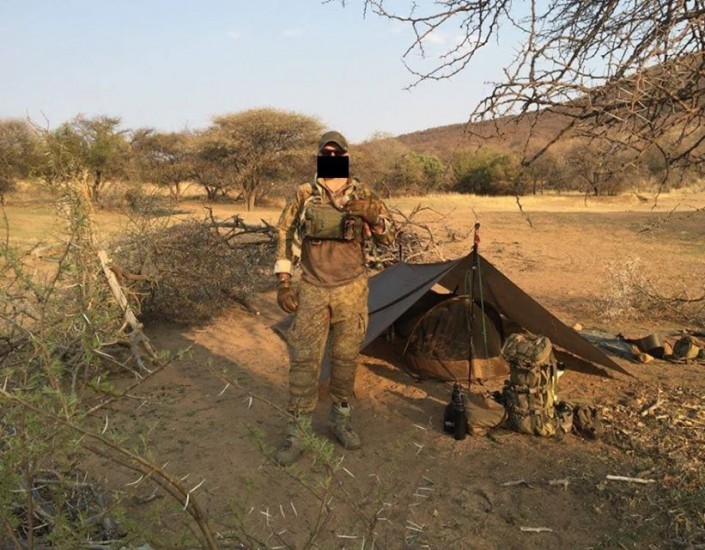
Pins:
x: 530, y: 392
x: 587, y: 421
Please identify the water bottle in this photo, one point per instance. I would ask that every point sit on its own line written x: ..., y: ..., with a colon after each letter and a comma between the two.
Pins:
x: 455, y: 416
x: 460, y: 427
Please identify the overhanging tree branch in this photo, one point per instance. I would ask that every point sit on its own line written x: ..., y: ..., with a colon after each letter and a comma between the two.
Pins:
x: 632, y: 71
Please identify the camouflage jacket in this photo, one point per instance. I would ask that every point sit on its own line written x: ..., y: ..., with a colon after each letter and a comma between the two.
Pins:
x: 327, y: 263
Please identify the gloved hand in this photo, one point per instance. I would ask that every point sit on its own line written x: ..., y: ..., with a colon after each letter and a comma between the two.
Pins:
x: 366, y: 209
x: 286, y: 297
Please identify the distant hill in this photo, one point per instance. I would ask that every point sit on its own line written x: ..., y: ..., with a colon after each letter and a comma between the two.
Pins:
x: 667, y: 98
x: 505, y: 133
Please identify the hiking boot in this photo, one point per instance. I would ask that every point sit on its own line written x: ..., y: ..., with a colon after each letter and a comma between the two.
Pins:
x: 340, y: 423
x: 293, y: 447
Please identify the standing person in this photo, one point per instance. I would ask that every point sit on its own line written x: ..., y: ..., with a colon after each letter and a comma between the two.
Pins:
x: 325, y: 225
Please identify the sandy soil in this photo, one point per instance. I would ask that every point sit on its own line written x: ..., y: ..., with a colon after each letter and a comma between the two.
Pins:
x: 411, y: 486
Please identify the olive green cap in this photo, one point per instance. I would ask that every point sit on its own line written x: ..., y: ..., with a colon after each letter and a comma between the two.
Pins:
x: 333, y: 137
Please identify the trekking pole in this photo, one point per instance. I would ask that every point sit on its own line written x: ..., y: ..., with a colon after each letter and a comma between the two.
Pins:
x: 455, y: 418
x: 471, y: 316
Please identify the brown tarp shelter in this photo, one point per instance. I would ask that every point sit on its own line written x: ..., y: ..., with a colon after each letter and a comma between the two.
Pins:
x: 396, y: 289
x: 402, y: 287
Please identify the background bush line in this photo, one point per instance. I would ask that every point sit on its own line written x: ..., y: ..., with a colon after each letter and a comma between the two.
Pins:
x: 254, y: 155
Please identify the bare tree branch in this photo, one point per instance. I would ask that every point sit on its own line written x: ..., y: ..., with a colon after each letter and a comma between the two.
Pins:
x: 631, y: 72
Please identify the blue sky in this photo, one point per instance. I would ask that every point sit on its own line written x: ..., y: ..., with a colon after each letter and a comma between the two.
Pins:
x: 171, y: 64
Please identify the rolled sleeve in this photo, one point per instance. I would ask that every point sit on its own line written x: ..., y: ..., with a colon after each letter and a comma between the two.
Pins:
x: 286, y: 254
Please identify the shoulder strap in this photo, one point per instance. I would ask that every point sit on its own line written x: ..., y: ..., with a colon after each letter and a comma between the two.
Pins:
x: 317, y: 192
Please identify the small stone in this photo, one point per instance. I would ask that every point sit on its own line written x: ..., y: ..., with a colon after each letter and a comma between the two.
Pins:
x: 577, y: 327
x: 644, y: 358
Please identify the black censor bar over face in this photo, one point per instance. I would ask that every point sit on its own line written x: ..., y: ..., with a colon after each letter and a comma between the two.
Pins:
x: 333, y: 167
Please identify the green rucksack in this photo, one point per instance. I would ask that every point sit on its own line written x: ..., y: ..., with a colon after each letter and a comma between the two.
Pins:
x: 530, y: 392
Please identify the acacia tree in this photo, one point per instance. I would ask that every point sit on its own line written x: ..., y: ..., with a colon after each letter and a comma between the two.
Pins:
x: 212, y: 169
x: 629, y: 71
x: 599, y: 167
x: 252, y: 149
x: 95, y: 146
x: 164, y: 158
x: 19, y: 153
x: 546, y: 172
x: 486, y: 172
x: 418, y: 173
x: 375, y: 159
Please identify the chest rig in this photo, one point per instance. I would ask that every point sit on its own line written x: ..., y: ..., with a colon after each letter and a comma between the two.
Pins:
x: 323, y: 218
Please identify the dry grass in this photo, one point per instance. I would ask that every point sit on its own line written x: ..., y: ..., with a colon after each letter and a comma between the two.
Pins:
x: 632, y: 295
x: 665, y: 429
x: 557, y: 202
x: 32, y: 213
x: 34, y: 223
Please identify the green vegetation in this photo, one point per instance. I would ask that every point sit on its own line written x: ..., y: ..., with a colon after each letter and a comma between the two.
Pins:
x: 19, y: 154
x: 255, y: 155
x: 485, y: 172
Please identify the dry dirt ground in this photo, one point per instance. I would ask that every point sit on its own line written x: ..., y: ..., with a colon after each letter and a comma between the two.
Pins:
x: 411, y: 486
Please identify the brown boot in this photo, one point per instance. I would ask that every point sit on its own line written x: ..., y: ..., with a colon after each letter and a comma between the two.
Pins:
x: 297, y: 429
x: 340, y: 423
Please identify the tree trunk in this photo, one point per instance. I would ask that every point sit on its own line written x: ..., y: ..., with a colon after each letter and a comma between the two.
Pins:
x: 211, y: 192
x: 175, y: 190
x: 97, y: 182
x: 250, y: 200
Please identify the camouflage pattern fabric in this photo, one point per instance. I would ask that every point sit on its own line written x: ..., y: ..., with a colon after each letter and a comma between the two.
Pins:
x: 530, y: 392
x: 289, y: 243
x: 340, y: 310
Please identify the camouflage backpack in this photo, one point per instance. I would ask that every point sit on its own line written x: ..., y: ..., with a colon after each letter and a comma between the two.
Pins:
x: 530, y: 392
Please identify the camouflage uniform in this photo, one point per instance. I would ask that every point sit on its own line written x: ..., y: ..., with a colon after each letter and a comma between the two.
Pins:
x: 332, y: 294
x: 342, y: 311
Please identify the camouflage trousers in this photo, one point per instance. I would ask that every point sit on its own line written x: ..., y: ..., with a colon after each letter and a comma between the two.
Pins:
x: 340, y: 312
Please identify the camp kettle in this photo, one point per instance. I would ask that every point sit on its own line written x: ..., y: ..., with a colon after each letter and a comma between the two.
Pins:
x: 455, y: 420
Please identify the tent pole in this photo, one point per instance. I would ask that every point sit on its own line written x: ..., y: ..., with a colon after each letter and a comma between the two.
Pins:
x: 473, y: 272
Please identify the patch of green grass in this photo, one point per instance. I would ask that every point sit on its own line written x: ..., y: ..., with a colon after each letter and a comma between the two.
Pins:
x: 29, y: 225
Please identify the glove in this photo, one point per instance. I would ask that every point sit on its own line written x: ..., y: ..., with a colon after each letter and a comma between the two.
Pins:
x: 286, y: 297
x: 365, y: 209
